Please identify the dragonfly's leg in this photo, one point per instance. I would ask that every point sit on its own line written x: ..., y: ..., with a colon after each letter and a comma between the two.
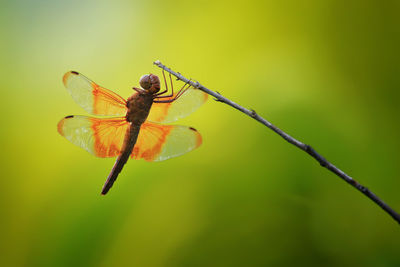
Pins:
x: 163, y: 101
x: 165, y: 80
x: 160, y: 93
x: 139, y: 90
x: 181, y: 91
x: 166, y: 85
x: 172, y: 87
x: 179, y: 94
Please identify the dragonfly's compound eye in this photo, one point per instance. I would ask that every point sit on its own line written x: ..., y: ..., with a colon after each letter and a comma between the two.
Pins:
x: 145, y: 82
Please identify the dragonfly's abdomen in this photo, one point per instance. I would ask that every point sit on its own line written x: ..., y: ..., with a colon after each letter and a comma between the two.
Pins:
x: 138, y: 109
x: 129, y: 142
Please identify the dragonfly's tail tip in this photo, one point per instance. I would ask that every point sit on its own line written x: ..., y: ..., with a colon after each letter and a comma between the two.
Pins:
x: 103, y: 192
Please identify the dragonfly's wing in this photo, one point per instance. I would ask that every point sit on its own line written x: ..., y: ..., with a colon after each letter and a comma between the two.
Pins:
x: 92, y: 97
x: 104, y: 137
x: 190, y: 101
x: 100, y: 136
x: 157, y: 142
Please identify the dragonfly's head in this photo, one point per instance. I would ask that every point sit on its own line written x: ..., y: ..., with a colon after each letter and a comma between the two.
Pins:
x: 150, y: 82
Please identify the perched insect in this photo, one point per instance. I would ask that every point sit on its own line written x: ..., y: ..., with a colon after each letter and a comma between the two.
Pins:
x: 138, y: 134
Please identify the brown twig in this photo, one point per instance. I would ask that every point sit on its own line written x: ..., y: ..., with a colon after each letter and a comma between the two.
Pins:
x: 307, y: 148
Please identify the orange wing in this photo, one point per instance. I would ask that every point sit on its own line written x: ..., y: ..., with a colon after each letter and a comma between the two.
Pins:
x: 104, y: 137
x: 92, y: 97
x: 101, y: 137
x: 189, y: 102
x: 158, y: 142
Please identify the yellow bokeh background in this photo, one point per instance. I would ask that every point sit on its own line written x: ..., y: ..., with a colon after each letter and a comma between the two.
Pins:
x: 327, y: 72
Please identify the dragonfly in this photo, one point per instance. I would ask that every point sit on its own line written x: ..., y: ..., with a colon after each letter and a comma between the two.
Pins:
x: 133, y: 128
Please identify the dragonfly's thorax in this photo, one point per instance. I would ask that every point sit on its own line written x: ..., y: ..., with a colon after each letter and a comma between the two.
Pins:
x: 138, y: 107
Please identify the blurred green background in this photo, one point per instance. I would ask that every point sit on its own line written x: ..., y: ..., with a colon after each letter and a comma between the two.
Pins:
x: 327, y: 72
